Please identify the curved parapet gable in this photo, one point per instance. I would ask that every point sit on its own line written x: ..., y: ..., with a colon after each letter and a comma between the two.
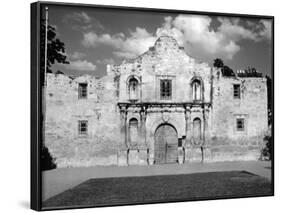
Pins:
x: 165, y: 60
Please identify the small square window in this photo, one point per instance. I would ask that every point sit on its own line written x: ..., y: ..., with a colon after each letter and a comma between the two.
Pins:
x: 82, y: 90
x: 165, y: 89
x: 83, y: 127
x: 236, y: 91
x: 240, y: 124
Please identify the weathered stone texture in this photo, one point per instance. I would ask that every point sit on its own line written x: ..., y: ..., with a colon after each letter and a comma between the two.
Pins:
x: 111, y: 112
x: 64, y: 109
x: 225, y: 141
x: 165, y: 59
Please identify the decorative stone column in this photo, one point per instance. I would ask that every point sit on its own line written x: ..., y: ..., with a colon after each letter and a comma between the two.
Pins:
x: 187, y: 142
x: 122, y: 156
x: 181, y: 154
x: 205, y: 126
x: 143, y: 148
x: 150, y: 156
x: 188, y: 125
x: 205, y: 146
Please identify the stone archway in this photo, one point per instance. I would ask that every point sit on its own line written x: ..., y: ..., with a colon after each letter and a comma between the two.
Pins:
x: 166, y: 144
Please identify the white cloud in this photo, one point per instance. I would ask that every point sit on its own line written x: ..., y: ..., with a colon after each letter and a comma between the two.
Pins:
x: 125, y: 54
x: 196, y: 34
x: 137, y: 43
x: 77, y: 17
x: 85, y: 17
x: 82, y: 21
x: 80, y: 65
x: 193, y: 32
x: 92, y: 39
x: 106, y: 61
x: 265, y: 29
x: 231, y: 30
x: 77, y: 55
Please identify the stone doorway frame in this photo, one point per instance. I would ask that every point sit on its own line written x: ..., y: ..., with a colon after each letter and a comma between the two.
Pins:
x: 166, y: 148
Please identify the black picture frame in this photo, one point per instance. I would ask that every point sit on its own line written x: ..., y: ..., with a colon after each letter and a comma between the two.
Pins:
x: 37, y: 80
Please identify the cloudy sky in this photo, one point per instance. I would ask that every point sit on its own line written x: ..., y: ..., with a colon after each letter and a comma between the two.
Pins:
x: 96, y: 37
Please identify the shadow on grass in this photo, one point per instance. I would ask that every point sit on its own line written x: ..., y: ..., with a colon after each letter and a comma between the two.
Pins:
x: 126, y: 190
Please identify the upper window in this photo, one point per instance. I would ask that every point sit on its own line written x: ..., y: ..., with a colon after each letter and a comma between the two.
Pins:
x: 196, y: 90
x: 240, y: 124
x: 83, y: 127
x: 82, y: 91
x: 236, y: 91
x: 133, y: 89
x: 165, y: 89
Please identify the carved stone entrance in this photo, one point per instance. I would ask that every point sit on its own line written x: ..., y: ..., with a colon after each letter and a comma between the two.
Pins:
x: 166, y: 144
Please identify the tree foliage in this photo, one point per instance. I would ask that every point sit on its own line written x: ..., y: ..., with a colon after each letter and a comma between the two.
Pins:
x: 59, y: 72
x: 47, y: 161
x: 218, y: 63
x: 55, y: 48
x: 225, y: 70
x: 269, y: 98
x: 55, y: 54
x: 267, y: 150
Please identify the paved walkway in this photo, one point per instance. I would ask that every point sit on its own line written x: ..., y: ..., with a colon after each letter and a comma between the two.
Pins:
x: 59, y: 180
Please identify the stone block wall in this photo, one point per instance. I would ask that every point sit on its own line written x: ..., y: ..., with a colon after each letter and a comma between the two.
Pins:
x: 225, y: 142
x: 64, y: 110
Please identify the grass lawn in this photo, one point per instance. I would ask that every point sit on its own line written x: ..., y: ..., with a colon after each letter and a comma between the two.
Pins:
x: 124, y: 190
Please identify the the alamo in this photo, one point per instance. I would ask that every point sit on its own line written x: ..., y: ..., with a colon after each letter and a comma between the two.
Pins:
x: 161, y: 107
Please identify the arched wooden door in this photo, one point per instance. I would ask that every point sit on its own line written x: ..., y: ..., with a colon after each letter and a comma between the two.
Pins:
x: 166, y: 144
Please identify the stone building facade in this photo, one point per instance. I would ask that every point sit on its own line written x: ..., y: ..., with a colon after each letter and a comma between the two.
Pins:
x: 161, y: 107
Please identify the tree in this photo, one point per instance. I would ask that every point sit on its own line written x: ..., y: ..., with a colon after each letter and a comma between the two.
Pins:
x: 55, y: 48
x: 226, y: 71
x: 59, y: 72
x: 218, y: 63
x: 47, y: 161
x: 55, y: 53
x: 269, y: 100
x: 267, y: 150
